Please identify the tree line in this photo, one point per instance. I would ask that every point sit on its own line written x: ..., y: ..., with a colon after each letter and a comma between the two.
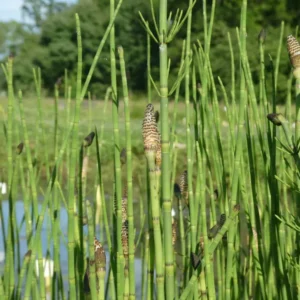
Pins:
x: 47, y: 39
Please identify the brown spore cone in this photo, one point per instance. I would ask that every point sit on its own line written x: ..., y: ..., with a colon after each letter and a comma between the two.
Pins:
x: 150, y: 131
x: 293, y: 47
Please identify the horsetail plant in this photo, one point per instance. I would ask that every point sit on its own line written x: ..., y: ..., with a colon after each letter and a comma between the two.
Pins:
x: 151, y: 138
x: 88, y: 140
x: 117, y: 164
x: 204, y: 250
x: 127, y: 159
x: 73, y: 158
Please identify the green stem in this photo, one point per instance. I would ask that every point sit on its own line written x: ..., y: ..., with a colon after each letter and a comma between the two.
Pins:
x: 72, y: 167
x: 211, y: 249
x: 155, y: 208
x: 117, y: 163
x: 129, y: 177
x: 166, y: 166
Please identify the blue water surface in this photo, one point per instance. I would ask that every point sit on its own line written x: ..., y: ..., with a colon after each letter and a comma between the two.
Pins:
x: 47, y: 245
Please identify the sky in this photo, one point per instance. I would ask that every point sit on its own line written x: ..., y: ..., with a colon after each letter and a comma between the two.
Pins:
x: 10, y: 10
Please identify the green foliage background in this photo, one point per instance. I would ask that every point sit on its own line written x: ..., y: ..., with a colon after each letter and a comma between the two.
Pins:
x: 49, y: 40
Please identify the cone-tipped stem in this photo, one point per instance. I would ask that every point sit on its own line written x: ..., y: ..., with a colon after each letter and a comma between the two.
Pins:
x: 100, y: 257
x: 214, y: 230
x: 20, y: 148
x: 177, y: 191
x: 294, y: 51
x: 123, y: 157
x: 262, y: 36
x: 88, y: 140
x: 274, y: 118
x: 150, y: 131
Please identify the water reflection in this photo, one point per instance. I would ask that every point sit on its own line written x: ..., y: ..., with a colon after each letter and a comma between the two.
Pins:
x: 46, y: 239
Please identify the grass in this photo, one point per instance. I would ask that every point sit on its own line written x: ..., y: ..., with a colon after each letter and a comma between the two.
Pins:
x: 97, y: 117
x: 136, y: 112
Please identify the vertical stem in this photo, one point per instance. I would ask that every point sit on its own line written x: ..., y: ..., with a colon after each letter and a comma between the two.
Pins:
x: 92, y: 262
x: 232, y: 90
x: 189, y: 140
x: 144, y: 264
x: 297, y: 137
x: 56, y: 99
x: 9, y: 264
x: 105, y: 219
x: 175, y: 105
x: 149, y: 90
x: 236, y: 167
x: 150, y: 233
x: 297, y: 88
x: 72, y: 169
x: 188, y: 132
x: 117, y: 164
x: 278, y: 54
x: 38, y: 87
x: 165, y: 147
x: 10, y: 118
x: 155, y: 208
x: 129, y: 177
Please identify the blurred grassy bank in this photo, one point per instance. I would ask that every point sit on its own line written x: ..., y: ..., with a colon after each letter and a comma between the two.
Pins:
x: 98, y: 117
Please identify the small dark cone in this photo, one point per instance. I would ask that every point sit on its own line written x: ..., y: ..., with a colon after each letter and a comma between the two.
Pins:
x: 262, y: 36
x: 177, y: 191
x: 294, y: 51
x: 150, y: 132
x: 274, y: 119
x: 88, y: 140
x: 100, y: 257
x: 34, y: 162
x: 20, y: 148
x: 212, y: 232
x: 58, y: 81
x: 215, y: 229
x: 222, y: 220
x: 199, y: 88
x: 86, y: 283
x: 156, y: 115
x: 216, y: 192
x: 183, y: 184
x: 28, y: 254
x: 123, y: 156
x: 196, y: 260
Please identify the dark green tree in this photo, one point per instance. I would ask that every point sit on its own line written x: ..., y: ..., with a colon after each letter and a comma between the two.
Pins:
x: 53, y: 45
x: 39, y: 10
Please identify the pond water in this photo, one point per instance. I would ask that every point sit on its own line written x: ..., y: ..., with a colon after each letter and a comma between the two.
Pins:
x: 47, y: 245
